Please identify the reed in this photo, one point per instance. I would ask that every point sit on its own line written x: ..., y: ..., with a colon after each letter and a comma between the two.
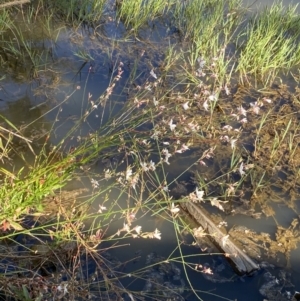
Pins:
x: 192, y: 103
x: 137, y: 13
x: 269, y: 44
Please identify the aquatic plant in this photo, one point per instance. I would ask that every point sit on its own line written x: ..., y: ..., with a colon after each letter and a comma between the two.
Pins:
x: 78, y: 12
x: 269, y: 44
x: 136, y: 13
x: 188, y: 104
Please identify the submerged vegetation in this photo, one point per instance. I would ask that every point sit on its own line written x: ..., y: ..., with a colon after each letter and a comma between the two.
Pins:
x: 200, y: 104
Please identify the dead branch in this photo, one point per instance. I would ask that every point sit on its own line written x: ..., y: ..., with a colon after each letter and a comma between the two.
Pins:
x: 12, y: 3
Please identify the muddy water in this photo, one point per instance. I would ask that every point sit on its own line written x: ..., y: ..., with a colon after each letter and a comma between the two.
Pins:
x: 24, y: 102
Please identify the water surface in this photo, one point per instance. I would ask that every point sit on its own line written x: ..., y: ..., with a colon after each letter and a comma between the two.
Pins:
x: 26, y: 101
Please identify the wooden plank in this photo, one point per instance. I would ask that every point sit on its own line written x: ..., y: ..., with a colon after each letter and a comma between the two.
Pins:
x: 241, y: 262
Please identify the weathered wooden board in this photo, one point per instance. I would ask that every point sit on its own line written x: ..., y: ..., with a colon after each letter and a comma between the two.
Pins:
x: 240, y: 260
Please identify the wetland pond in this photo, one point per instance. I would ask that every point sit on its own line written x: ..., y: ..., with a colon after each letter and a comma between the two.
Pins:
x: 231, y: 146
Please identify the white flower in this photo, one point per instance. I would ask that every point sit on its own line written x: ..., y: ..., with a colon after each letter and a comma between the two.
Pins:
x: 172, y: 125
x: 227, y: 91
x: 227, y: 127
x: 145, y: 142
x: 202, y: 163
x: 222, y: 224
x: 215, y: 202
x: 205, y: 105
x: 200, y: 73
x: 231, y: 190
x: 268, y: 100
x: 199, y: 232
x: 224, y: 138
x: 128, y: 173
x: 213, y: 97
x: 126, y: 228
x: 193, y: 197
x: 182, y: 149
x: 199, y: 194
x: 152, y: 165
x: 134, y: 180
x: 233, y: 142
x: 166, y: 152
x: 209, y: 153
x: 153, y: 74
x: 156, y: 102
x: 235, y: 116
x: 248, y: 166
x: 174, y: 209
x: 101, y: 209
x: 207, y: 271
x: 186, y: 105
x: 193, y: 126
x: 167, y: 155
x: 242, y: 111
x: 165, y: 188
x: 63, y: 288
x: 155, y: 135
x: 157, y: 234
x: 201, y: 61
x: 241, y: 169
x: 95, y: 183
x: 138, y: 229
x: 255, y: 107
x: 107, y: 174
x: 144, y: 166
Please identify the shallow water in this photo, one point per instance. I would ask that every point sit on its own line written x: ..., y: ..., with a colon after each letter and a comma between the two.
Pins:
x: 252, y: 4
x: 21, y: 105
